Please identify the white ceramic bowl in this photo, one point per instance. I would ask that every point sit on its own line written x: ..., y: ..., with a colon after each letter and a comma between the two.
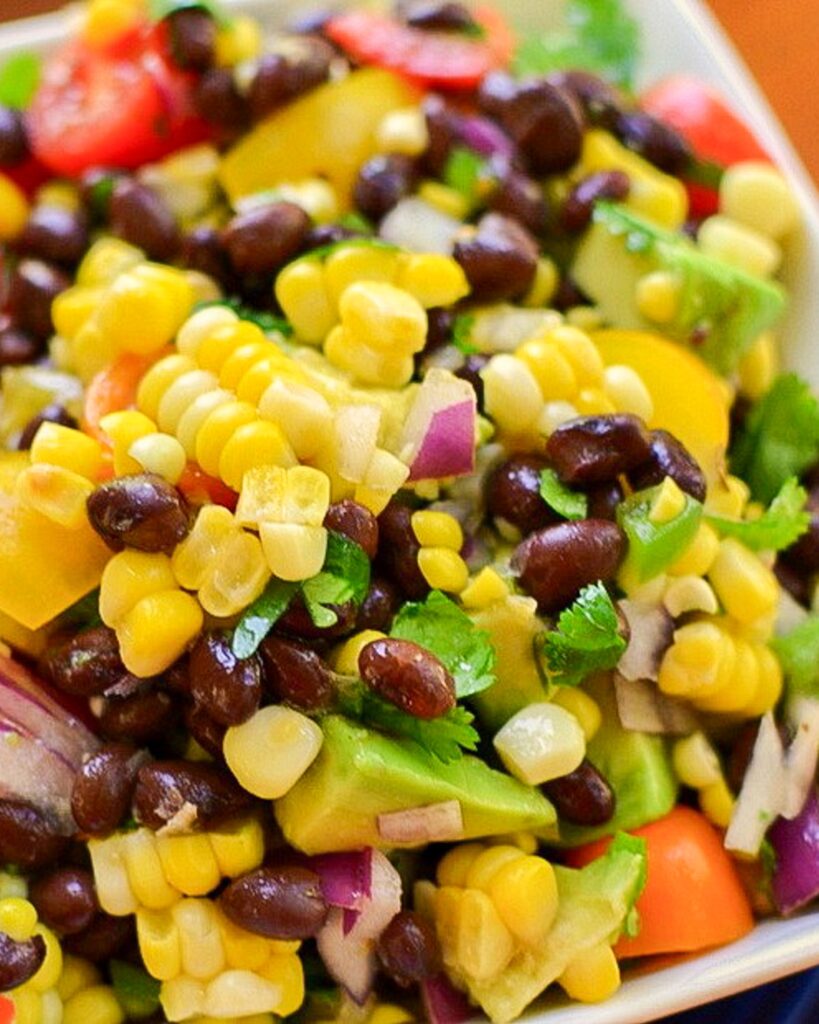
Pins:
x: 678, y: 35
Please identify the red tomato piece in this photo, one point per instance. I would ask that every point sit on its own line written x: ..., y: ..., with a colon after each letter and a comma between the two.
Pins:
x: 200, y: 488
x: 6, y: 1010
x: 441, y: 59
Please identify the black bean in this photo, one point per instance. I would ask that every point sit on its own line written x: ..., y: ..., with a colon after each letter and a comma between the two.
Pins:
x: 382, y: 181
x: 65, y: 899
x: 655, y: 140
x: 164, y: 788
x: 296, y: 674
x: 440, y: 322
x: 139, y: 215
x: 55, y: 234
x: 261, y: 240
x: 297, y: 621
x: 398, y: 550
x: 555, y: 563
x: 282, y: 76
x: 282, y: 901
x: 88, y: 664
x: 604, y: 499
x: 145, y: 716
x: 103, y: 939
x: 440, y: 15
x: 13, y: 141
x: 207, y: 732
x: 499, y: 259
x: 226, y: 687
x: 442, y: 133
x: 19, y: 961
x: 96, y: 186
x: 408, y: 949
x: 601, y: 101
x: 470, y: 371
x: 53, y: 413
x: 496, y: 91
x: 804, y: 554
x: 142, y: 511
x: 19, y: 347
x: 597, y: 449
x: 202, y: 250
x: 568, y: 294
x: 217, y: 100
x: 409, y: 676
x: 192, y: 38
x: 356, y: 522
x: 33, y: 287
x: 28, y: 837
x: 330, y: 234
x: 513, y: 493
x: 104, y: 788
x: 670, y: 457
x: 579, y: 205
x: 796, y: 582
x: 544, y: 121
x: 379, y: 606
x: 522, y: 198
x: 583, y: 797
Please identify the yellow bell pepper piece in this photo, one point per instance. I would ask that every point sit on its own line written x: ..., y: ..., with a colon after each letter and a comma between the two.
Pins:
x: 46, y: 568
x: 328, y: 133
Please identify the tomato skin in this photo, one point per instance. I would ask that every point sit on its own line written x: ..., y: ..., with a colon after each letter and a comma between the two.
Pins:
x: 200, y: 488
x: 442, y: 60
x: 6, y: 1010
x: 693, y: 898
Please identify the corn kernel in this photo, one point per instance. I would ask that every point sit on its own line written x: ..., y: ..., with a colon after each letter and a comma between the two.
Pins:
x: 73, y: 308
x: 484, y: 945
x: 448, y: 200
x: 524, y: 892
x: 524, y: 841
x: 741, y: 246
x: 437, y: 529
x: 293, y: 551
x: 758, y: 366
x: 156, y: 381
x: 200, y: 939
x: 689, y: 594
x: 488, y: 863
x: 698, y: 557
x: 129, y: 577
x: 243, y: 949
x: 745, y: 587
x: 242, y: 993
x: 443, y: 569
x: 261, y: 375
x: 432, y: 279
x: 544, y: 286
x: 188, y: 862
x: 14, y: 209
x: 238, y: 574
x: 382, y: 317
x: 259, y: 442
x: 624, y: 387
x: 484, y: 589
x: 242, y: 357
x: 668, y: 502
x: 359, y: 264
x: 551, y: 369
x: 179, y: 396
x: 159, y: 943
x: 286, y: 971
x: 581, y: 353
x: 56, y: 493
x: 541, y: 742
x: 107, y: 258
x: 593, y: 402
x: 699, y: 662
x: 717, y: 803
x: 110, y: 877
x: 51, y: 968
x: 123, y: 428
x: 183, y: 998
x: 157, y: 630
x: 657, y: 296
x: 315, y: 196
x: 63, y: 446
x: 695, y: 761
x: 388, y: 1013
x: 160, y: 454
x: 193, y: 418
x: 77, y: 975
x: 402, y: 131
x: 769, y: 683
x: 757, y: 195
x: 584, y: 708
x: 239, y: 848
x: 145, y: 871
x: 18, y: 918
x: 592, y: 976
x: 137, y: 315
x: 270, y: 752
x: 301, y: 291
x: 201, y: 325
x: 214, y: 434
x: 454, y: 866
x: 27, y: 1005
x: 238, y: 40
x: 553, y: 414
x: 345, y: 657
x: 95, y: 1005
x: 511, y: 393
x: 743, y: 683
x: 193, y: 557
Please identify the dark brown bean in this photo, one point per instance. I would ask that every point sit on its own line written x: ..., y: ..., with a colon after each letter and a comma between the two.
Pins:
x: 282, y: 901
x: 554, y: 564
x: 192, y: 39
x: 96, y: 186
x: 226, y: 687
x: 568, y: 294
x: 442, y: 134
x: 139, y: 215
x: 296, y: 674
x: 408, y: 949
x: 597, y: 449
x: 356, y: 523
x: 499, y: 259
x: 303, y: 64
x: 50, y: 414
x: 330, y: 234
x: 440, y: 322
x: 88, y: 664
x: 513, y: 493
x: 804, y: 554
x: 470, y: 371
x: 19, y: 347
x: 604, y: 499
x: 543, y: 120
x: 496, y: 91
x: 408, y: 676
x: 398, y: 551
x: 655, y: 140
x: 144, y: 716
x: 164, y: 788
x: 104, y: 788
x: 577, y: 209
x: 602, y: 103
x: 522, y: 198
x: 33, y: 287
x: 217, y: 100
x: 28, y: 838
x: 13, y: 141
x: 142, y: 511
x: 202, y: 250
x: 582, y: 797
x: 379, y: 606
x: 19, y: 961
x: 208, y: 733
x: 55, y: 234
x: 797, y: 583
x: 65, y: 899
x: 297, y: 621
x: 103, y: 939
x: 442, y: 15
x: 382, y: 181
x: 670, y: 457
x: 261, y: 240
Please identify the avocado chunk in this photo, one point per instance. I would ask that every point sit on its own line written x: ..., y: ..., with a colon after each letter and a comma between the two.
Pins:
x: 721, y: 309
x: 360, y: 774
x: 637, y: 767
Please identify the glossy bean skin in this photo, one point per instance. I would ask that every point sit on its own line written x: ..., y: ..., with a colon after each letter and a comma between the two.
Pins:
x: 18, y: 347
x: 28, y: 838
x: 33, y: 286
x: 382, y: 181
x: 445, y: 15
x: 804, y: 554
x: 164, y: 787
x: 140, y: 216
x: 103, y: 939
x: 217, y: 100
x: 53, y: 413
x: 202, y: 250
x: 601, y: 102
x: 470, y: 371
x: 207, y: 732
x: 296, y: 674
x: 13, y: 140
x: 226, y: 687
x: 192, y: 39
x: 577, y: 209
x: 408, y: 949
x: 88, y: 664
x: 104, y: 788
x: 54, y: 234
x: 398, y: 551
x: 356, y: 522
x: 520, y: 197
x: 513, y: 493
x: 604, y: 499
x: 142, y: 511
x: 658, y: 142
x: 259, y: 241
x: 281, y: 77
x: 282, y: 901
x: 597, y: 449
x: 379, y: 606
x: 499, y: 260
x: 669, y: 457
x: 65, y: 899
x: 408, y: 676
x: 442, y: 134
x: 582, y: 797
x: 555, y: 563
x: 19, y: 961
x: 142, y: 717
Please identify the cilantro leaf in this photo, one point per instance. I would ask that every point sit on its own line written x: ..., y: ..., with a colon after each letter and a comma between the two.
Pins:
x: 798, y: 653
x: 158, y: 10
x: 587, y: 638
x: 600, y: 36
x: 85, y: 613
x: 19, y: 78
x: 443, y: 737
x: 778, y: 527
x: 257, y: 620
x: 566, y: 502
x: 463, y: 171
x: 780, y: 438
x: 462, y: 333
x: 440, y: 626
x: 136, y: 991
x: 345, y: 576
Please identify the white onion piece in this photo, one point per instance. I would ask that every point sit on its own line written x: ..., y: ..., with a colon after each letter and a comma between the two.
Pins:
x: 802, y: 755
x: 438, y: 438
x: 651, y: 630
x: 760, y: 799
x: 32, y: 773
x: 643, y: 708
x: 433, y: 823
x: 789, y: 613
x: 420, y: 227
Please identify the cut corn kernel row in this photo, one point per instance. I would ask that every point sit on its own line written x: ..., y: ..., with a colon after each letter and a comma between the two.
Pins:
x: 142, y: 869
x: 441, y: 539
x: 697, y: 765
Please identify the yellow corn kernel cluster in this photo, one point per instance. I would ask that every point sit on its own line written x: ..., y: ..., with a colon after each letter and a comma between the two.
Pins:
x: 747, y: 589
x: 271, y: 751
x: 309, y: 290
x: 441, y: 539
x: 37, y: 1000
x: 491, y: 902
x: 210, y: 967
x: 697, y: 765
x: 486, y: 587
x: 14, y: 209
x: 153, y: 618
x: 142, y: 869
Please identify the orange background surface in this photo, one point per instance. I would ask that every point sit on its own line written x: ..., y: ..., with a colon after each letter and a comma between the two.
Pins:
x: 779, y: 40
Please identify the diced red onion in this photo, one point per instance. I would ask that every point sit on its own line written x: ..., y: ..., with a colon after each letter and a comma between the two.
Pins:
x: 346, y: 878
x: 651, y: 630
x: 484, y: 137
x: 795, y: 880
x: 438, y: 439
x: 433, y: 823
x: 445, y: 1004
x: 34, y: 774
